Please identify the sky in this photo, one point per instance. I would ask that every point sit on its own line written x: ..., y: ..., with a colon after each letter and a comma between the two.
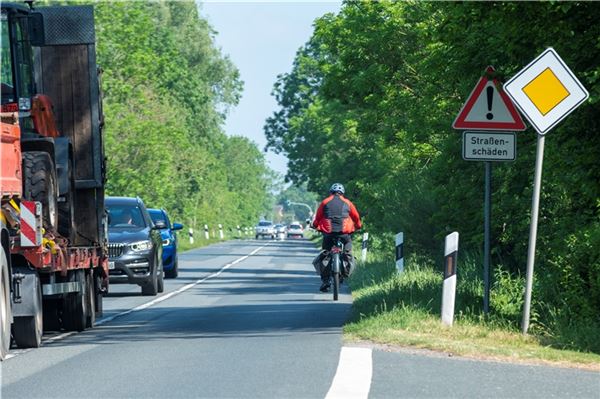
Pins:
x: 261, y: 38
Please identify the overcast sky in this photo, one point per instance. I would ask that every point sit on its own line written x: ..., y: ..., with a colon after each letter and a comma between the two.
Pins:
x: 261, y: 38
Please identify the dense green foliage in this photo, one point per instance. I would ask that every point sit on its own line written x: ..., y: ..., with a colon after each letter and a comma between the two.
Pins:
x: 370, y: 101
x: 167, y: 89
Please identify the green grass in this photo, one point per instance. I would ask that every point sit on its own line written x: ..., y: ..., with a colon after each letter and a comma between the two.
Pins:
x: 404, y: 310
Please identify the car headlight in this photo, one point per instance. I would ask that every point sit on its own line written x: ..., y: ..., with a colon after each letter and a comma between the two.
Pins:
x: 141, y: 246
x: 166, y: 242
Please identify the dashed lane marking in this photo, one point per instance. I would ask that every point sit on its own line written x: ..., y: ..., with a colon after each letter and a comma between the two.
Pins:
x: 353, y: 376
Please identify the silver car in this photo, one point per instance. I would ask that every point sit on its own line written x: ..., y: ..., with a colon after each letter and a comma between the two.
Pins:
x: 265, y: 228
x: 280, y: 229
x: 295, y: 230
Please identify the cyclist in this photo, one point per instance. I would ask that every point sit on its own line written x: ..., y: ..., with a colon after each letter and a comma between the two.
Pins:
x: 335, y: 217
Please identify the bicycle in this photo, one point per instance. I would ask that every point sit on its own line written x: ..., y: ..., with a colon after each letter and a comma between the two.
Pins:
x: 336, y: 265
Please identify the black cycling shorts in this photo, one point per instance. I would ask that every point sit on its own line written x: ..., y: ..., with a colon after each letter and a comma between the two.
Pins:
x: 330, y: 239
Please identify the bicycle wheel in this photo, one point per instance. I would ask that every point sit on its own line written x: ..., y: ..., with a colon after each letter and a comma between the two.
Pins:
x: 336, y: 276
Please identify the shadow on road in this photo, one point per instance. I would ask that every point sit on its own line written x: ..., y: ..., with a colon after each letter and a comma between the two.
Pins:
x: 250, y: 303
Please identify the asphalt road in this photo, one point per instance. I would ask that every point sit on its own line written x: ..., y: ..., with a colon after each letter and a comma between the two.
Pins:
x: 240, y: 326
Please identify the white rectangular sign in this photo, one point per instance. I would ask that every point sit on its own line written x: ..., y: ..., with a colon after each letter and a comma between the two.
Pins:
x: 487, y: 146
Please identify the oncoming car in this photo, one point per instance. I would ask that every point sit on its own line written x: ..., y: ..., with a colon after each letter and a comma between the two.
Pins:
x: 169, y: 240
x: 295, y: 230
x: 265, y: 228
x: 134, y: 245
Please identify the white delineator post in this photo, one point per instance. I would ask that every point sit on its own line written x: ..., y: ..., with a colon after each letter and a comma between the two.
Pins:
x: 239, y: 231
x: 400, y: 252
x: 206, y: 232
x: 191, y: 234
x: 220, y: 231
x: 449, y: 288
x: 365, y: 239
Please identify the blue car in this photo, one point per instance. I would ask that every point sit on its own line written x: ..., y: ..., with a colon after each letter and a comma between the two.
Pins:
x: 169, y: 240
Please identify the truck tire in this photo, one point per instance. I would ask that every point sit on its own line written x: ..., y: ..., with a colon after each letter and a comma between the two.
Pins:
x: 51, y: 315
x: 27, y: 330
x: 99, y: 296
x: 40, y: 184
x: 66, y: 209
x: 5, y: 315
x: 91, y: 300
x: 75, y: 305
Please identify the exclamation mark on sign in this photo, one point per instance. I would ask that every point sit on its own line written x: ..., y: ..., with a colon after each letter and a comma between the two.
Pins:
x: 490, y: 97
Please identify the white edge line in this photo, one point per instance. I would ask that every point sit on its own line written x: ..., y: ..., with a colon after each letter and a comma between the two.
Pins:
x: 144, y: 305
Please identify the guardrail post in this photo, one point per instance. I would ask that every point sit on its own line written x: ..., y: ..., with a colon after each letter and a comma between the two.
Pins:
x: 449, y: 287
x: 206, y: 232
x: 400, y: 252
x: 191, y: 234
x: 221, y: 231
x: 365, y: 238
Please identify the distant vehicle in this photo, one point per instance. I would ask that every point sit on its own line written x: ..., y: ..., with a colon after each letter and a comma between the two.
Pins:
x: 280, y: 228
x: 295, y: 230
x: 169, y: 240
x: 265, y: 228
x: 134, y: 245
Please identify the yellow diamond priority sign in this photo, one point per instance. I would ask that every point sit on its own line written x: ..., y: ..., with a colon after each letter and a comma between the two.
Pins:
x: 546, y: 91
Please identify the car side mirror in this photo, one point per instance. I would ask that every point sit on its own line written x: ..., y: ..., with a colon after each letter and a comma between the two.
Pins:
x: 177, y: 226
x: 160, y: 224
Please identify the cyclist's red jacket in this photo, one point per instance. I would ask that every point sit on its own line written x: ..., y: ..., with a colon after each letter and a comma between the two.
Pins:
x: 337, y: 214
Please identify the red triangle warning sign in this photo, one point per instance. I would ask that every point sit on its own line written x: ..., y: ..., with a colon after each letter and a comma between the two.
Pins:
x: 488, y: 108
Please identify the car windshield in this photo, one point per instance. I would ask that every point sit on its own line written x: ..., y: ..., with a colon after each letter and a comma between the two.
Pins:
x: 296, y: 227
x: 157, y: 215
x: 123, y: 216
x: 264, y: 224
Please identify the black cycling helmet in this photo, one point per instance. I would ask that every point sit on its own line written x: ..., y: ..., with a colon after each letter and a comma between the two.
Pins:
x: 337, y: 188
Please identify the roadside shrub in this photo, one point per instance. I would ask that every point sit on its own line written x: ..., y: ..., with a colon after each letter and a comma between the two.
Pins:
x: 506, y: 296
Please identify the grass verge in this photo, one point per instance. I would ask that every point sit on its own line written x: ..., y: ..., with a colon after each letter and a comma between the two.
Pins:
x: 404, y: 310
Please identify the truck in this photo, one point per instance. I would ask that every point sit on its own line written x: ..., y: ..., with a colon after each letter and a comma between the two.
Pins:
x: 53, y: 225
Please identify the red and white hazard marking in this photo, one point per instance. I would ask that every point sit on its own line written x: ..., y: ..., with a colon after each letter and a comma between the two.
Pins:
x: 31, y: 235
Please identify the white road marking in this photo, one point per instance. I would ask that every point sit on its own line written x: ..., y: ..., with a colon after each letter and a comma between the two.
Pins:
x: 353, y: 376
x: 142, y: 306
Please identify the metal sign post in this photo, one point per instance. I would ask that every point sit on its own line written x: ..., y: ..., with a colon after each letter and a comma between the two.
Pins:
x: 546, y: 91
x: 487, y: 217
x: 535, y: 205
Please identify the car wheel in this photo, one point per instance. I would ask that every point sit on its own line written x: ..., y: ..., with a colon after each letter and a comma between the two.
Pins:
x: 174, y: 272
x: 160, y: 282
x: 151, y: 286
